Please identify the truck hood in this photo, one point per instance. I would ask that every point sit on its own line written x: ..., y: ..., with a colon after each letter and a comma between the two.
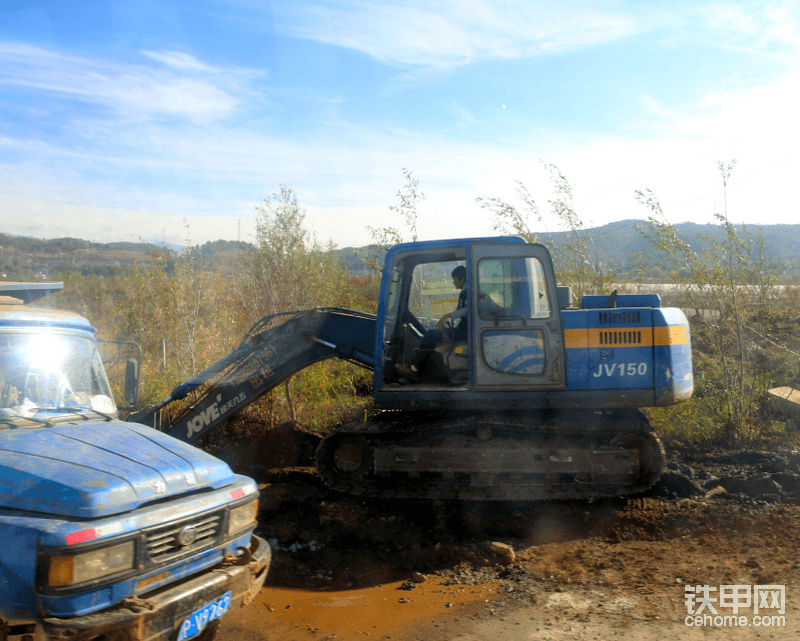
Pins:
x: 93, y: 469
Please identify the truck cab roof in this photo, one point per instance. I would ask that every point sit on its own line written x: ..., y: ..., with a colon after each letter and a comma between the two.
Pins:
x: 29, y: 292
x: 15, y: 308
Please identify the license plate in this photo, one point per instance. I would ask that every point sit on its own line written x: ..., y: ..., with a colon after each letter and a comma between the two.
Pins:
x: 196, y: 622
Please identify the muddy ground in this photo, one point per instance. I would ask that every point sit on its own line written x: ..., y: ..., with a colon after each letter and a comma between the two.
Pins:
x: 348, y: 568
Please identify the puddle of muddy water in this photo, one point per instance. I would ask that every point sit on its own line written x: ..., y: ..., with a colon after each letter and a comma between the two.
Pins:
x: 381, y: 612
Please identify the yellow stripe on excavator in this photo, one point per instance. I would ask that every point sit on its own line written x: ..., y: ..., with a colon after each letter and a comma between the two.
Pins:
x: 625, y: 337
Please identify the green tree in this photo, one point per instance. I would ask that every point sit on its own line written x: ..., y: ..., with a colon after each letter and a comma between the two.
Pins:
x: 574, y: 262
x: 290, y: 269
x: 383, y: 238
x: 731, y: 285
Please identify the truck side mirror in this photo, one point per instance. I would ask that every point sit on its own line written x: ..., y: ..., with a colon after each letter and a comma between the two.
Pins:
x: 132, y: 382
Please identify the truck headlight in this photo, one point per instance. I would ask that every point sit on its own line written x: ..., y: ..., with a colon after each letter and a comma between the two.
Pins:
x: 77, y: 568
x: 242, y: 517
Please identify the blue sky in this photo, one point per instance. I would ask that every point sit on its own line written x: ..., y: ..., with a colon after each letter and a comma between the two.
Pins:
x: 154, y: 120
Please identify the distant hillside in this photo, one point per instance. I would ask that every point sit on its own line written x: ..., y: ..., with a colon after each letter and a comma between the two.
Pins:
x: 611, y: 245
x: 23, y: 258
x: 354, y: 257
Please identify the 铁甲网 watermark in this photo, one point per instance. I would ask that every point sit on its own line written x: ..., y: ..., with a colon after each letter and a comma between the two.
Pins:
x: 767, y: 603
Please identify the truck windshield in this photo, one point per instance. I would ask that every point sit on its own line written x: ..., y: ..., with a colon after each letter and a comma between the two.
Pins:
x: 51, y: 372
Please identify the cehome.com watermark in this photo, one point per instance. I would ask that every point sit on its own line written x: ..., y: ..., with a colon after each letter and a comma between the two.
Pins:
x: 768, y: 604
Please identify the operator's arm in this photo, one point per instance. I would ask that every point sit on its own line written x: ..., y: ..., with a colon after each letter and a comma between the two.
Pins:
x: 456, y: 314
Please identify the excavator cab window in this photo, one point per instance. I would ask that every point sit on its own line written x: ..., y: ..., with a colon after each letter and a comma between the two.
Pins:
x: 509, y: 289
x: 393, y: 301
x: 517, y: 331
x: 432, y: 294
x: 512, y: 287
x: 420, y: 291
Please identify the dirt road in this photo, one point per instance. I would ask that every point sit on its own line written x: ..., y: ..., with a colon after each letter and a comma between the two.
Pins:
x: 586, y: 588
x: 356, y: 569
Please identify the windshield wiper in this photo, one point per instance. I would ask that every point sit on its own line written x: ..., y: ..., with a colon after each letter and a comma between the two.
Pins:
x: 11, y: 420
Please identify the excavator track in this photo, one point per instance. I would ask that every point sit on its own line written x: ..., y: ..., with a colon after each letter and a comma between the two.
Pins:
x: 544, y: 456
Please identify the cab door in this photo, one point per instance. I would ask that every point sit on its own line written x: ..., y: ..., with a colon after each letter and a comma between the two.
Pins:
x: 515, y: 322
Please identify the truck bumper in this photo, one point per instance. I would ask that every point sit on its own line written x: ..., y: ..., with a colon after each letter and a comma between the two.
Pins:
x: 159, y: 616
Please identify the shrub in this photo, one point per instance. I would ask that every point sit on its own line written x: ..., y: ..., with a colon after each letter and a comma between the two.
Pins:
x: 731, y: 283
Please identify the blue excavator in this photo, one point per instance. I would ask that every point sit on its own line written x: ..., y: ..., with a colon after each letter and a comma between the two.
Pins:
x: 542, y: 400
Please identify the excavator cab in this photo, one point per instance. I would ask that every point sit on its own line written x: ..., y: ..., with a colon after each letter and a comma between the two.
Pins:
x: 515, y: 337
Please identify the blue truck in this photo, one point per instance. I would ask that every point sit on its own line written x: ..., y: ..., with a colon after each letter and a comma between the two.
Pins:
x: 537, y: 399
x: 109, y: 530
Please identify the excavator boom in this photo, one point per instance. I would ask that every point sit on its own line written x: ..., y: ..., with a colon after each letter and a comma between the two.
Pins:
x: 268, y: 355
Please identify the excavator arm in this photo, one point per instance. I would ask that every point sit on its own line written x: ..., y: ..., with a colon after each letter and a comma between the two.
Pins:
x: 268, y: 355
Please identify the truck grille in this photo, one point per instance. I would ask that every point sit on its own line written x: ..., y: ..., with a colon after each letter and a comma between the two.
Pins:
x: 182, y: 536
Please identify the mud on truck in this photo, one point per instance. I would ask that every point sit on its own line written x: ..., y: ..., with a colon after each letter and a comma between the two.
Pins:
x: 538, y: 400
x: 109, y: 530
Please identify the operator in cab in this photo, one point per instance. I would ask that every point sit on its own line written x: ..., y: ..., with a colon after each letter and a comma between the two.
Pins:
x: 435, y: 336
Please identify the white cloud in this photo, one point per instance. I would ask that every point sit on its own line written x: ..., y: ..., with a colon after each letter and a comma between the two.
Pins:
x: 348, y: 179
x: 758, y: 24
x: 183, y: 62
x: 453, y: 32
x: 127, y: 176
x: 132, y: 90
x: 446, y: 33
